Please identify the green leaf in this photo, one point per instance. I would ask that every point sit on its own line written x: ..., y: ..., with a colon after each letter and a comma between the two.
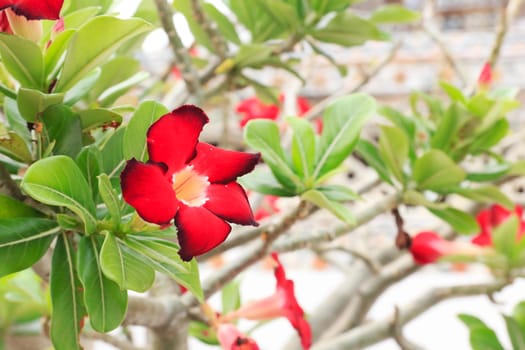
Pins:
x: 66, y: 298
x: 347, y: 29
x: 55, y: 52
x: 146, y: 114
x: 393, y: 149
x: 371, y: 156
x: 485, y: 194
x: 338, y: 193
x: 252, y: 55
x: 416, y: 198
x: 263, y: 181
x: 342, y: 123
x: 490, y: 137
x: 31, y: 103
x: 519, y: 315
x: 517, y: 337
x: 110, y: 95
x: 23, y: 241
x: 490, y: 173
x: 105, y: 302
x: 224, y: 24
x: 23, y: 60
x: 472, y: 322
x: 260, y: 24
x: 62, y: 127
x: 200, y: 35
x: 231, y: 297
x: 323, y: 7
x: 15, y: 147
x: 89, y: 161
x: 16, y: 122
x: 453, y: 92
x: 280, y: 12
x: 394, y: 14
x: 504, y: 237
x: 460, y: 221
x: 94, y: 42
x: 82, y: 87
x: 263, y: 136
x: 436, y: 171
x: 67, y: 187
x: 336, y: 208
x: 123, y: 266
x: 110, y: 198
x: 98, y: 117
x: 447, y: 128
x: 11, y: 208
x: 484, y: 339
x: 303, y: 146
x: 112, y: 151
x: 164, y: 257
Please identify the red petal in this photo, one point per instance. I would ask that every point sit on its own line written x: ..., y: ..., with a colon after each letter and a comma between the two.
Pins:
x: 5, y: 27
x: 230, y: 203
x: 34, y: 9
x: 223, y: 166
x: 199, y: 231
x: 303, y: 105
x: 146, y: 188
x: 172, y: 138
x: 253, y: 108
x: 427, y: 247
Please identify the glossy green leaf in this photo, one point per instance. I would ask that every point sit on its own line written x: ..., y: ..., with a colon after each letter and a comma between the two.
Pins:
x: 436, y: 171
x: 67, y: 187
x: 504, y: 237
x: 394, y: 14
x: 82, y: 87
x: 490, y: 137
x: 263, y: 181
x: 62, y: 127
x: 338, y: 193
x: 110, y: 198
x: 11, y: 208
x: 16, y: 122
x: 404, y: 122
x: 14, y: 146
x: 224, y: 24
x: 347, y: 29
x: 263, y: 136
x: 112, y: 151
x: 484, y: 339
x: 490, y: 173
x: 393, y: 149
x: 55, y: 52
x: 105, y: 302
x: 336, y: 208
x: 31, y: 103
x: 23, y: 241
x: 325, y: 6
x: 371, y: 156
x: 23, y: 59
x: 252, y: 55
x: 114, y: 72
x: 460, y: 221
x: 87, y: 9
x: 303, y: 146
x: 416, y: 198
x: 164, y: 256
x: 125, y: 267
x: 98, y: 117
x: 89, y: 161
x: 231, y: 297
x: 199, y: 33
x: 66, y: 297
x: 447, y: 128
x: 261, y: 26
x: 485, y: 194
x: 94, y: 42
x: 342, y: 124
x: 453, y: 92
x: 280, y: 12
x: 517, y: 337
x: 146, y: 114
x: 110, y: 95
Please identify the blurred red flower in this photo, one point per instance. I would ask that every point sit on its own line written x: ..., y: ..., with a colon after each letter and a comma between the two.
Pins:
x: 492, y: 217
x: 34, y: 9
x: 231, y: 338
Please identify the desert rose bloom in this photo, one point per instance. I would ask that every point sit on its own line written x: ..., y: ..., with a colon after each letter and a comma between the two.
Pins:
x: 281, y: 304
x: 428, y: 247
x: 485, y: 77
x: 253, y: 108
x: 231, y: 338
x: 492, y: 217
x: 189, y: 181
x: 34, y: 9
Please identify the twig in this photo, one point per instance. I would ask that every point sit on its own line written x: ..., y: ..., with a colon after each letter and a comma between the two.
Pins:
x: 116, y: 342
x: 506, y: 16
x: 188, y: 72
x: 216, y: 39
x: 430, y: 28
x: 319, y: 107
x: 153, y: 312
x: 400, y: 339
x: 374, y: 332
x: 8, y: 186
x: 372, y: 263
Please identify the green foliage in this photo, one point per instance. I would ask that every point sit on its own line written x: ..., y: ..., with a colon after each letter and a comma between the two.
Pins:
x: 23, y: 60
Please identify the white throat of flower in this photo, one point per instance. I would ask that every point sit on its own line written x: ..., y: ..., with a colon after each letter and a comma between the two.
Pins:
x: 190, y: 187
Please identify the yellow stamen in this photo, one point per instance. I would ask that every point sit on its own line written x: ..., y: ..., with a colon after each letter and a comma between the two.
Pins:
x: 190, y: 187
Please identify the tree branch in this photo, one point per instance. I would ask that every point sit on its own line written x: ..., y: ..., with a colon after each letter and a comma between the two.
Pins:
x: 116, y: 342
x: 215, y: 37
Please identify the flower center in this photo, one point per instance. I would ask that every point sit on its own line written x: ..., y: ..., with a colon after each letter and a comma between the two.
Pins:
x: 190, y: 187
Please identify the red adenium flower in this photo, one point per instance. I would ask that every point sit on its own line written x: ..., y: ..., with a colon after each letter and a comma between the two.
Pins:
x: 189, y: 181
x: 492, y: 217
x: 268, y: 207
x: 281, y: 304
x: 428, y: 247
x: 34, y: 9
x: 231, y: 338
x: 485, y: 77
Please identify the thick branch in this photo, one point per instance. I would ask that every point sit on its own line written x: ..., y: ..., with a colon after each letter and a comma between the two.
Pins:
x: 8, y: 186
x: 215, y: 37
x: 374, y: 332
x: 116, y: 342
x: 506, y: 17
x: 189, y: 74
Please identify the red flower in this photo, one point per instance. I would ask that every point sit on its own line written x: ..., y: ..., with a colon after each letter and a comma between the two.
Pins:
x: 267, y: 208
x: 189, y: 181
x: 282, y: 303
x: 485, y: 77
x: 231, y: 338
x: 253, y: 108
x: 34, y: 9
x: 428, y: 247
x: 492, y: 217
